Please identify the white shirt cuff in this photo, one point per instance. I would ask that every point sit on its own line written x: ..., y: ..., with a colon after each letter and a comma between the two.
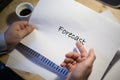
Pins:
x: 3, y: 46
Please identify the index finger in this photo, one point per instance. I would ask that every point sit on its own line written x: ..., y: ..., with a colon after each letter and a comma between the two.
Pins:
x: 81, y: 49
x: 22, y: 23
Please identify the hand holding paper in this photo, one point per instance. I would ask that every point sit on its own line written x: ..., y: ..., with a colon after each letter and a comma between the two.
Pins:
x: 16, y: 32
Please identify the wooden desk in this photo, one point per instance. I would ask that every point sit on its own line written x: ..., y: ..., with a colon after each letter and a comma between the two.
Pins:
x: 8, y: 16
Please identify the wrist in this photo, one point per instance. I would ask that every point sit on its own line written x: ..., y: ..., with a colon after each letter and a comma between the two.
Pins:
x: 3, y: 45
x: 83, y: 79
x: 77, y: 78
x: 9, y: 44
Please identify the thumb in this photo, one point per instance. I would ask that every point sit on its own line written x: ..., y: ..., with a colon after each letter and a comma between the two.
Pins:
x: 30, y: 28
x: 91, y: 56
x: 27, y: 31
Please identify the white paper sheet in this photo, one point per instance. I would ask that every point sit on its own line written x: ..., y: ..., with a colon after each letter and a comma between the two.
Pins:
x: 100, y: 33
x: 108, y: 14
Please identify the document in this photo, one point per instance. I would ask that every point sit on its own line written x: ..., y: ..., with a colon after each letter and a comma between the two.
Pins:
x: 60, y: 23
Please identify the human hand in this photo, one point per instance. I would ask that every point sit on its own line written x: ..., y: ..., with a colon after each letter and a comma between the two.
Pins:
x: 16, y: 32
x: 80, y: 64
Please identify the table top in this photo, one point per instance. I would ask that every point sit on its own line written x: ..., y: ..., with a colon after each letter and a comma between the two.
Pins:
x: 6, y: 18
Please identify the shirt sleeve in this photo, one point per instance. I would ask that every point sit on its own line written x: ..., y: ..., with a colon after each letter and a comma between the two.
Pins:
x: 3, y: 47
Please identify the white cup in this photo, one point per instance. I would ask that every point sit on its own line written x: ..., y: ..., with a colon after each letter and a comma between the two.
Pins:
x: 24, y: 10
